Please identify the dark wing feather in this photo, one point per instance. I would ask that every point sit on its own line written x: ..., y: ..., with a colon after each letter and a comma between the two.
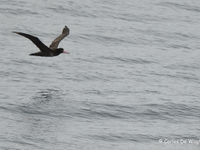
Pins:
x: 36, y: 41
x: 55, y: 43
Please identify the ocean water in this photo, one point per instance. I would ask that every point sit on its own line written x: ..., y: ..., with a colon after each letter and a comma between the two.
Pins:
x: 131, y: 80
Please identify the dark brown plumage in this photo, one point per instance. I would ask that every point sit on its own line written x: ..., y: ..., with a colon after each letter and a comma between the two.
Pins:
x: 45, y: 51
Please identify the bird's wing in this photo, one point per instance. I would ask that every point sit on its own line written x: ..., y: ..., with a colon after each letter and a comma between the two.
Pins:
x: 56, y: 42
x: 35, y: 40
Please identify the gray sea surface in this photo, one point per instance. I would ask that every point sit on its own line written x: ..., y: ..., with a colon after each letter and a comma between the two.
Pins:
x: 130, y: 82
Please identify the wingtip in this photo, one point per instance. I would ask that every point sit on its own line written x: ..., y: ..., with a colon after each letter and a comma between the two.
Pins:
x: 66, y: 27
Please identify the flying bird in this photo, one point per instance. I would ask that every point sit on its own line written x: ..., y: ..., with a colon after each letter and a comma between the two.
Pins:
x: 45, y: 51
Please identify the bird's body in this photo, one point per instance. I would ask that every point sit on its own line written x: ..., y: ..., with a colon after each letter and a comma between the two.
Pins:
x: 45, y: 51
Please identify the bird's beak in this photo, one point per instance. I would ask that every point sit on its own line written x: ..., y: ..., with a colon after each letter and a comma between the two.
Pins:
x: 65, y: 52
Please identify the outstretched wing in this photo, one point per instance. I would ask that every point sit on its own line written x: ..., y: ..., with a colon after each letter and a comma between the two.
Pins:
x: 56, y: 42
x: 35, y: 40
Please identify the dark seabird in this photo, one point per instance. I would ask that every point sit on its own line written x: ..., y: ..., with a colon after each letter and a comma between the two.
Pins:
x: 45, y: 51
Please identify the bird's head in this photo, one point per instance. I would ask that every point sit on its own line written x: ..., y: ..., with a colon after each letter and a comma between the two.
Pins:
x: 61, y: 50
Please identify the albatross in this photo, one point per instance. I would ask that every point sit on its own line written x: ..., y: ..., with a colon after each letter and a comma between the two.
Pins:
x: 45, y: 51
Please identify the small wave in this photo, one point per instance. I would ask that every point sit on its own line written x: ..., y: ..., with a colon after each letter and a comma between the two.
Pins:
x: 90, y: 77
x: 176, y: 111
x: 181, y: 76
x: 169, y: 111
x: 17, y: 11
x: 73, y: 11
x: 178, y: 46
x: 191, y: 67
x: 128, y: 60
x: 125, y: 137
x: 106, y: 39
x: 180, y: 6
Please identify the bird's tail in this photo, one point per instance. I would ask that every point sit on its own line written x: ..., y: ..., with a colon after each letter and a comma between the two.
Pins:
x: 37, y: 54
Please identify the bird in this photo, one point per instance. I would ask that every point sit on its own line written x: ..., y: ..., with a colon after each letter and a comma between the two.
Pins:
x: 46, y: 51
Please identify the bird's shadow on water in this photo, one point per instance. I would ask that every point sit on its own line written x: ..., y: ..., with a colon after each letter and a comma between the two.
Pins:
x: 39, y: 116
x: 43, y: 101
x: 45, y: 96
